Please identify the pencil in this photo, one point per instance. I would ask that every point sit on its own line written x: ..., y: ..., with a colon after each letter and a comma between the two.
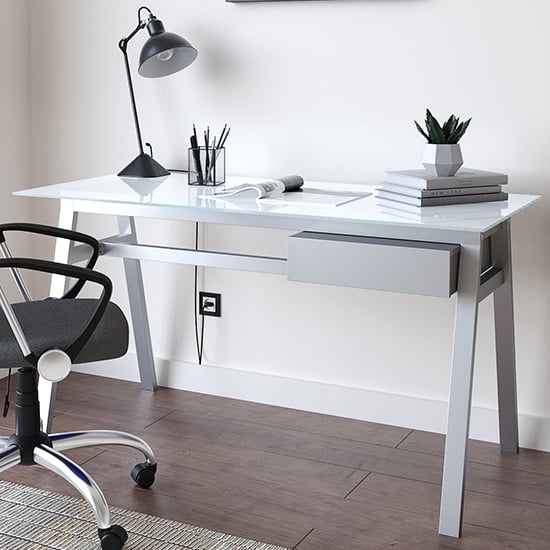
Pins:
x: 222, y: 142
x: 197, y: 157
x: 222, y: 135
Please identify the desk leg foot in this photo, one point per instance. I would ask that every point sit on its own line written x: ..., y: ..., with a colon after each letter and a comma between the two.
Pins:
x: 460, y: 398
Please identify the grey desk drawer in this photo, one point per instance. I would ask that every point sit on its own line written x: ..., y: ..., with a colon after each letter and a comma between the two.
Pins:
x: 413, y: 267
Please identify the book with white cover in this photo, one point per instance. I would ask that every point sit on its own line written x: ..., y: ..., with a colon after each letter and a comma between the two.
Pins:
x: 465, y: 177
x: 426, y: 193
x: 440, y: 201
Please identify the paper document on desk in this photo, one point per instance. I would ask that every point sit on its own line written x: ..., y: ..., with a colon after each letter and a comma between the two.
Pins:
x: 315, y: 197
x: 284, y: 191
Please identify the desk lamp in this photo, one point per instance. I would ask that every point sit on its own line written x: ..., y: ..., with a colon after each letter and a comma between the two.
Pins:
x: 164, y: 53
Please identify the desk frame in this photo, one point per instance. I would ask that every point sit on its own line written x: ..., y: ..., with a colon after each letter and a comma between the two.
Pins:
x: 484, y: 268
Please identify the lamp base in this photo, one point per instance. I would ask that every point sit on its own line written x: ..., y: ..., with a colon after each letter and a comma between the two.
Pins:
x: 143, y: 166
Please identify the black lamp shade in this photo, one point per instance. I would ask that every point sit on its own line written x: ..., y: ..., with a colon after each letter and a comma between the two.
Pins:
x: 165, y: 53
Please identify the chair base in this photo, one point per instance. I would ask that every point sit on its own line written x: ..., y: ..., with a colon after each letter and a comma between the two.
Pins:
x: 29, y: 446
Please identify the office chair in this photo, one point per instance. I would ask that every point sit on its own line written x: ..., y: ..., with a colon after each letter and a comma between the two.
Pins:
x: 44, y: 338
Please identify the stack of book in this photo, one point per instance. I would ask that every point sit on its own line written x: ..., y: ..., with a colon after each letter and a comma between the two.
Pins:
x: 418, y: 188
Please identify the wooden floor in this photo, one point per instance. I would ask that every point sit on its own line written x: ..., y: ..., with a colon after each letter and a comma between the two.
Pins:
x: 301, y: 480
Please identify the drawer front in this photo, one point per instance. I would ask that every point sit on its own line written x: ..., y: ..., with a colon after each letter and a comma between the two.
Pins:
x: 413, y: 267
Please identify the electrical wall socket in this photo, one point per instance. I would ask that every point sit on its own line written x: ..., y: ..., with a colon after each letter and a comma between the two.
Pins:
x: 210, y: 303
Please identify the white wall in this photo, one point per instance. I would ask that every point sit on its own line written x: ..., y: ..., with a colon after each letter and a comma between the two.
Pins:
x: 329, y: 90
x: 14, y: 109
x: 15, y: 127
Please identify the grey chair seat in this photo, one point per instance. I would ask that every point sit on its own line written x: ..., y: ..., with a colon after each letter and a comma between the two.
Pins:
x: 60, y: 322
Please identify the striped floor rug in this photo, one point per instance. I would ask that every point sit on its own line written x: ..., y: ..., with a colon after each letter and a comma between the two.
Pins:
x: 33, y: 519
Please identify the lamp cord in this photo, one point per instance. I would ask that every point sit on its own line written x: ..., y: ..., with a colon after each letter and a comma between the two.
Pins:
x: 199, y: 339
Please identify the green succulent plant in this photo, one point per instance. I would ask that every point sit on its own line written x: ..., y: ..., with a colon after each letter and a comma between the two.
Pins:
x: 451, y: 131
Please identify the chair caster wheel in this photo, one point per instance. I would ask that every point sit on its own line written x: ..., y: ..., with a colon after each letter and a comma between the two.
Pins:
x: 112, y: 538
x: 144, y: 474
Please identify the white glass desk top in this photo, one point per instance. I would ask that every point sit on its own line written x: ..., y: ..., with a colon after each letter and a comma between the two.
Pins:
x: 173, y: 191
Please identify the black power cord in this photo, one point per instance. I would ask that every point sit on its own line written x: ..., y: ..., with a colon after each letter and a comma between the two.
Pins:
x: 7, y: 396
x: 199, y: 339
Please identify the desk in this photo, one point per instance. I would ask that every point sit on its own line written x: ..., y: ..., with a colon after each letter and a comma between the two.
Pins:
x: 436, y: 252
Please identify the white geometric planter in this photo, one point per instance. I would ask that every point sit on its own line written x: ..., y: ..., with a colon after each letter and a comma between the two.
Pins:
x: 442, y: 159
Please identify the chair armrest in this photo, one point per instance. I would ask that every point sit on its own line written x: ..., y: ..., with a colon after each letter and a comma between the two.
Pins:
x: 60, y: 233
x: 83, y: 274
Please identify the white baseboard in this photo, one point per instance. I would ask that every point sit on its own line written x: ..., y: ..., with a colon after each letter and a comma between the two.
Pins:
x: 363, y: 404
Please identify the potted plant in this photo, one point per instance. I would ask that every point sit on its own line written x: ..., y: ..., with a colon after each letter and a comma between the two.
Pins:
x: 442, y: 155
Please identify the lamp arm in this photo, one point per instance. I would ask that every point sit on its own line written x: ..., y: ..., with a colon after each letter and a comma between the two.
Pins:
x: 123, y: 45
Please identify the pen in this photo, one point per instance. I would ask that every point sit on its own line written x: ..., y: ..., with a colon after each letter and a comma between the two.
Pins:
x: 207, y: 155
x: 197, y: 156
x: 212, y: 162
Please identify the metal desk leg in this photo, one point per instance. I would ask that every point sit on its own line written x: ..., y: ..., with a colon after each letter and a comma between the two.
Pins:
x: 460, y: 398
x: 505, y: 344
x: 46, y: 397
x: 68, y: 219
x: 138, y: 309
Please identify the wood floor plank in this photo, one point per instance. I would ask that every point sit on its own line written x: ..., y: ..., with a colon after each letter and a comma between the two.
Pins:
x: 330, y: 450
x: 106, y: 393
x: 292, y: 419
x: 527, y: 460
x: 123, y: 393
x: 143, y: 407
x: 208, y: 459
x: 383, y: 537
x: 498, y: 514
x: 286, y: 507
